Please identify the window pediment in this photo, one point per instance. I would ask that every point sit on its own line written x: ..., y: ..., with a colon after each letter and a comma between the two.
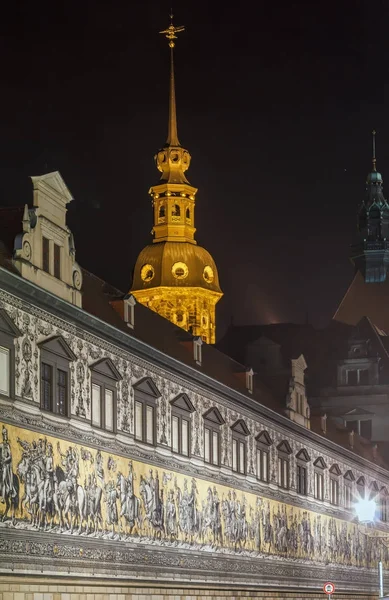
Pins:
x: 106, y: 367
x: 361, y: 481
x: 334, y: 469
x: 147, y: 386
x: 374, y: 486
x: 284, y: 446
x: 57, y: 345
x: 349, y: 475
x: 213, y: 415
x: 264, y: 438
x: 240, y: 427
x: 7, y: 325
x: 384, y: 491
x: 320, y: 463
x: 303, y: 455
x: 183, y: 402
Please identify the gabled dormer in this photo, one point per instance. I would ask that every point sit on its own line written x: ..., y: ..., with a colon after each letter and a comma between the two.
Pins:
x: 44, y: 252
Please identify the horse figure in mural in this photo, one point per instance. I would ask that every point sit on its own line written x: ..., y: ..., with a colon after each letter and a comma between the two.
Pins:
x: 130, y: 504
x: 39, y: 498
x: 70, y: 497
x: 9, y: 482
x: 152, y: 504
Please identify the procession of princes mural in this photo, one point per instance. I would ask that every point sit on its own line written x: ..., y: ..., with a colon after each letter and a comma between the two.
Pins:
x: 50, y: 485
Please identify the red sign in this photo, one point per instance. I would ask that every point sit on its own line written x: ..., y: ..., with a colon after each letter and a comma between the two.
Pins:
x: 328, y: 588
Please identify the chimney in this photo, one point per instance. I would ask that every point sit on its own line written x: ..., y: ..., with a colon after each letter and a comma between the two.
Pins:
x: 375, y: 452
x: 129, y: 310
x: 323, y: 424
x: 351, y: 439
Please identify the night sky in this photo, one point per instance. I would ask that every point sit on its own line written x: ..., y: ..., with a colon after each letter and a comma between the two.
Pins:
x: 276, y: 102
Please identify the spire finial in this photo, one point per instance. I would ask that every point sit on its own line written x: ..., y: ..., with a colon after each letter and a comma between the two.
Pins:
x: 170, y: 34
x: 374, y: 156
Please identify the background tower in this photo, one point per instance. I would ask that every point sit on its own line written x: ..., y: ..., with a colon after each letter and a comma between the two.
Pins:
x: 173, y: 275
x: 370, y: 253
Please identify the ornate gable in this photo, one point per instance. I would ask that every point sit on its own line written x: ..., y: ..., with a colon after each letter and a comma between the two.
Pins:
x: 240, y: 427
x: 213, y: 415
x: 58, y: 346
x: 44, y: 251
x: 147, y: 386
x: 182, y: 401
x: 7, y: 326
x: 105, y: 367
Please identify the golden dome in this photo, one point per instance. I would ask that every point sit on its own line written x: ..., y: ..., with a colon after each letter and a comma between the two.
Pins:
x: 175, y: 264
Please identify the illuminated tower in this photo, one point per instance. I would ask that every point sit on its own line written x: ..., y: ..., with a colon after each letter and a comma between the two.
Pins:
x: 173, y: 275
x: 370, y: 253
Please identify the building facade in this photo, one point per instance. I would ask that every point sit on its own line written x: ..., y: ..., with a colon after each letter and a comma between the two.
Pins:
x: 136, y: 458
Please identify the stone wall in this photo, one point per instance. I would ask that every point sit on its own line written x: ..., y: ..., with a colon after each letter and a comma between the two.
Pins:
x: 40, y: 589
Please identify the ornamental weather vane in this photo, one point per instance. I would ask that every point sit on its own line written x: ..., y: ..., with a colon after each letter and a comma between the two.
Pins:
x: 170, y: 32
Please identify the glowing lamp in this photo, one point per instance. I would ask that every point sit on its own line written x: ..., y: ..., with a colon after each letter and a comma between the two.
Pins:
x: 365, y: 510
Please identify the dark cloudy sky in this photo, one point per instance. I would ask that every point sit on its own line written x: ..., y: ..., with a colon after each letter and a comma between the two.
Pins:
x: 276, y: 102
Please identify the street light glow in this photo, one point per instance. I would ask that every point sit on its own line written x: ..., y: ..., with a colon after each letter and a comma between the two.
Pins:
x: 365, y: 510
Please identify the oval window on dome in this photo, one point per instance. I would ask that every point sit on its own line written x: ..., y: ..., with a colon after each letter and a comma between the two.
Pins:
x: 208, y: 274
x: 180, y: 270
x: 147, y: 273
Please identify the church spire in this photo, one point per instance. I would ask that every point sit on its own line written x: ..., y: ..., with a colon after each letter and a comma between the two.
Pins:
x: 170, y: 34
x: 174, y: 276
x: 373, y: 133
x: 370, y: 252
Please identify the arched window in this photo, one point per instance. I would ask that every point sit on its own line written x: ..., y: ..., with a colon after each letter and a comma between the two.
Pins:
x: 56, y: 357
x: 319, y: 466
x: 176, y: 211
x: 182, y: 408
x: 263, y: 451
x: 239, y: 446
x: 361, y: 485
x: 162, y: 211
x: 145, y: 397
x: 284, y: 452
x: 335, y: 472
x: 8, y: 333
x: 104, y: 381
x: 348, y: 489
x: 212, y: 423
x: 384, y: 505
x: 302, y: 472
x: 187, y: 213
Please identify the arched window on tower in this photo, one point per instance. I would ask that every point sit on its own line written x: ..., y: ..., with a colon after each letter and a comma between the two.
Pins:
x: 187, y: 214
x: 161, y: 214
x: 176, y: 211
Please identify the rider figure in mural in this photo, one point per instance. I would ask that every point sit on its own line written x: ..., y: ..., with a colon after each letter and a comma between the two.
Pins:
x: 7, y: 486
x: 50, y: 477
